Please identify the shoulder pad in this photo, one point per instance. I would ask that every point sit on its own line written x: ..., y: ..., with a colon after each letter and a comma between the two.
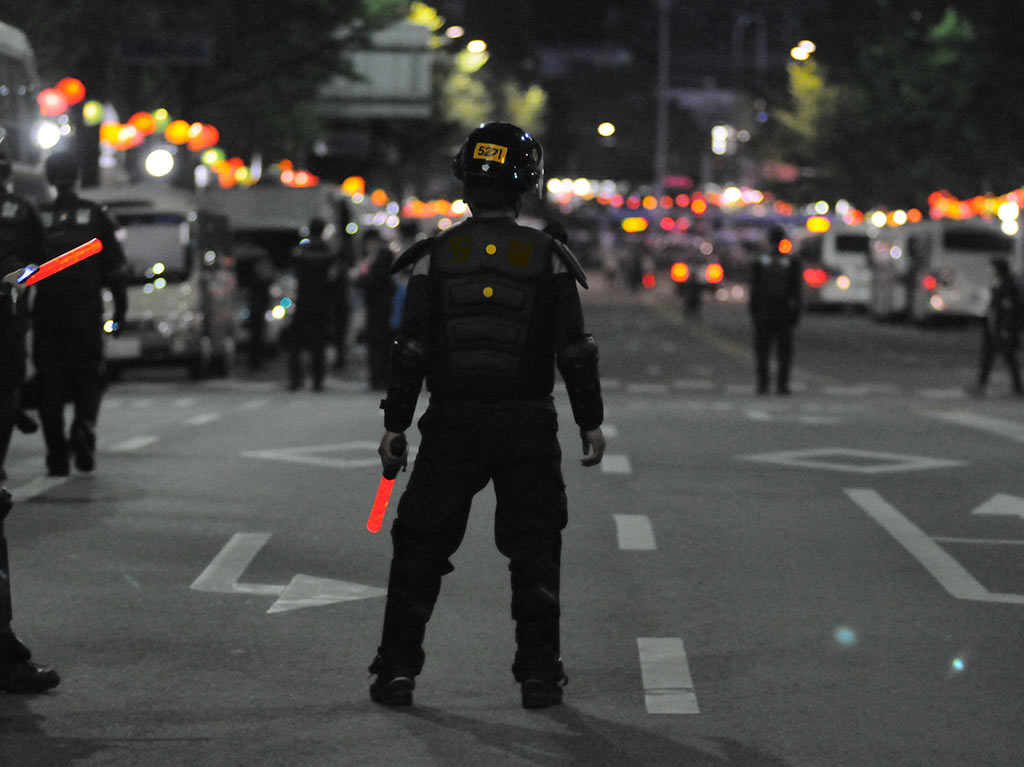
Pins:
x: 412, y: 255
x: 567, y: 258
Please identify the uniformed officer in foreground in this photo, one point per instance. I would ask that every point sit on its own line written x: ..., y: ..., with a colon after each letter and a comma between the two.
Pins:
x: 18, y: 673
x: 67, y: 319
x: 491, y: 306
x: 21, y: 243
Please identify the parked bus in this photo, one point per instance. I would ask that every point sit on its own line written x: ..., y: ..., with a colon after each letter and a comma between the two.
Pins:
x: 937, y: 268
x: 181, y: 281
x: 19, y: 112
x: 836, y: 267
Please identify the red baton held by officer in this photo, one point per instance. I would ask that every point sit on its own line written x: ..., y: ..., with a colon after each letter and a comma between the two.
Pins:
x: 387, y: 484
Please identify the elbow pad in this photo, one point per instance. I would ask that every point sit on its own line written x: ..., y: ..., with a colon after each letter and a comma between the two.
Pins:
x: 408, y: 366
x: 577, y: 363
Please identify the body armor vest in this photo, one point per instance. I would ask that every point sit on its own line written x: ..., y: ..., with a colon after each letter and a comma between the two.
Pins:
x: 493, y: 318
x: 75, y: 291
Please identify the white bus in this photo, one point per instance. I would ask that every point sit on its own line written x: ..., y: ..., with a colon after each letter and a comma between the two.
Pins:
x: 182, y: 302
x: 836, y: 267
x: 937, y: 268
x: 19, y: 111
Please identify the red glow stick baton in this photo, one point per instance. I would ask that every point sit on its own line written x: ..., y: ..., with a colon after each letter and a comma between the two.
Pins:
x: 61, y: 262
x: 387, y: 484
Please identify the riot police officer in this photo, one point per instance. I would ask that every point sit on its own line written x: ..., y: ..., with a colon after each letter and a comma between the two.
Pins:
x: 21, y: 243
x: 491, y: 308
x: 1003, y: 321
x: 67, y: 319
x: 18, y: 673
x: 775, y: 304
x: 312, y: 263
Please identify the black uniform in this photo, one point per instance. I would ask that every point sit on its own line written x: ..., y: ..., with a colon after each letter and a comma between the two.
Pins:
x: 1003, y: 322
x: 378, y: 287
x: 21, y: 243
x: 775, y: 303
x: 313, y: 302
x: 489, y: 307
x: 67, y: 319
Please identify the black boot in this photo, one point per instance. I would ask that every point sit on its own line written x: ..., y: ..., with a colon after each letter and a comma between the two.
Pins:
x: 391, y: 687
x: 83, y: 445
x: 18, y: 674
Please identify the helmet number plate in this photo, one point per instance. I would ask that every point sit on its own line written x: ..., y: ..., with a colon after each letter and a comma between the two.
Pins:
x: 490, y: 152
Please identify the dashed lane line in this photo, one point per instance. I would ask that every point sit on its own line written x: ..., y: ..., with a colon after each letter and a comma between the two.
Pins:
x: 635, y: 532
x: 133, y: 443
x: 668, y: 687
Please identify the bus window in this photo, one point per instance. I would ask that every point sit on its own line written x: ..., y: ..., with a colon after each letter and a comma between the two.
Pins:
x: 976, y: 240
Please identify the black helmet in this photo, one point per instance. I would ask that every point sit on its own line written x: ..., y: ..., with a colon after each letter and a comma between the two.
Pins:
x: 504, y: 153
x: 62, y: 169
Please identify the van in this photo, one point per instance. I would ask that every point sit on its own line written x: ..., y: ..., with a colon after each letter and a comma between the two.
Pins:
x: 182, y: 303
x: 836, y: 267
x: 937, y: 268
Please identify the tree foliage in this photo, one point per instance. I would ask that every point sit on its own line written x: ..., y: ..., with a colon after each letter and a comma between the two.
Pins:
x: 906, y: 101
x: 267, y: 59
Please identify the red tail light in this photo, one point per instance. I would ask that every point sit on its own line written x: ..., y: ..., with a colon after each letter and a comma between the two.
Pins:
x: 815, y: 277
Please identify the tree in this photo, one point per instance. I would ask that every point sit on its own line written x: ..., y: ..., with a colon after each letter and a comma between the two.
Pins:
x: 265, y: 60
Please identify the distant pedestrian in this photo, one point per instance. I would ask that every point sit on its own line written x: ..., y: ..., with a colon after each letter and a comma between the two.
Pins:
x: 21, y: 243
x: 341, y: 312
x: 67, y: 318
x: 775, y: 305
x: 378, y: 288
x: 18, y: 674
x: 312, y: 262
x: 1003, y: 322
x: 255, y: 276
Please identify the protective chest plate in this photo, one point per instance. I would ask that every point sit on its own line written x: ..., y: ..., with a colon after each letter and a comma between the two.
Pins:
x: 486, y: 274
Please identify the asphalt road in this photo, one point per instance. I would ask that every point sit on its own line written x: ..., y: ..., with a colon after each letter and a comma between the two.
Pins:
x: 834, y: 578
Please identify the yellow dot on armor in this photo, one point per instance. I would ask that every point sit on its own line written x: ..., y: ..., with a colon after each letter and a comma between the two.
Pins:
x: 491, y: 250
x: 488, y: 292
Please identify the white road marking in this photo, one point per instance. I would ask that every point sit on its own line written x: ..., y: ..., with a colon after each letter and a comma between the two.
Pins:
x: 954, y: 393
x: 616, y: 464
x: 999, y: 426
x: 185, y: 402
x: 635, y: 532
x: 203, y: 419
x: 134, y: 443
x: 609, y: 431
x: 950, y: 574
x: 668, y: 688
x: 686, y: 384
x: 313, y: 455
x: 985, y: 541
x: 1002, y: 505
x: 36, y: 487
x: 848, y: 459
x: 647, y: 388
x: 222, y: 575
x: 223, y: 572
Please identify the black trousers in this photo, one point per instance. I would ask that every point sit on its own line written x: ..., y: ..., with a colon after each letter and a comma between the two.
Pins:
x: 777, y: 334
x: 990, y: 347
x: 69, y: 368
x: 463, y: 447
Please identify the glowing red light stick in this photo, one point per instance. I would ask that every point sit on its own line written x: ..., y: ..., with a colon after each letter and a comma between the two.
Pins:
x: 387, y: 484
x: 32, y: 275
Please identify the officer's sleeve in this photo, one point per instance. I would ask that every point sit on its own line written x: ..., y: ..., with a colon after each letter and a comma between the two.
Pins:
x: 577, y: 354
x: 409, y: 352
x: 114, y: 265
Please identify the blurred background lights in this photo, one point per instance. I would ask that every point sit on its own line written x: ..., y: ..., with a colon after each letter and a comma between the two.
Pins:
x: 958, y: 664
x: 606, y: 129
x: 159, y: 163
x: 47, y: 134
x: 845, y: 636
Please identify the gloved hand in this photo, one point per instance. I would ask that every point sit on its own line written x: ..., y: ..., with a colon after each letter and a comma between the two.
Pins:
x: 390, y: 462
x: 592, y: 439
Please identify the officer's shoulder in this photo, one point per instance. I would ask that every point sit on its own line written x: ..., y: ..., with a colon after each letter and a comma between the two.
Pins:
x: 568, y: 259
x: 414, y: 253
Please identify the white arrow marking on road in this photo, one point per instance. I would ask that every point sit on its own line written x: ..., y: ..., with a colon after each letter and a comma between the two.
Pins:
x: 222, y: 575
x: 616, y: 464
x: 950, y: 574
x: 1002, y: 505
x: 313, y: 455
